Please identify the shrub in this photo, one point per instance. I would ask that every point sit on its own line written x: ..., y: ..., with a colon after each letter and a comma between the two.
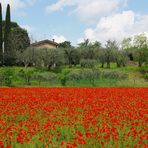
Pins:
x: 114, y: 75
x: 51, y: 77
x: 45, y: 77
x: 75, y: 75
x: 1, y: 78
x: 146, y: 76
x: 6, y: 76
x: 63, y: 76
x: 91, y: 75
x: 144, y: 69
x: 39, y: 77
x: 88, y: 63
x: 26, y: 75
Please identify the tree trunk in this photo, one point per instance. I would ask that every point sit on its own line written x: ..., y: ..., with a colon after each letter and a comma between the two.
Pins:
x: 124, y: 65
x: 49, y: 67
x: 102, y: 66
x: 140, y: 64
x: 108, y: 65
x: 118, y: 65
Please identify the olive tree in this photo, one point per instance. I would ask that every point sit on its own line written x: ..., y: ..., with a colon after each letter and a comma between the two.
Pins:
x: 111, y: 47
x: 141, y: 48
x: 72, y: 56
x: 101, y: 56
x: 53, y: 58
x: 27, y: 57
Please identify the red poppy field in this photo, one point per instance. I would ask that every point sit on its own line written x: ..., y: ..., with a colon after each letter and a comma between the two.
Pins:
x: 73, y: 117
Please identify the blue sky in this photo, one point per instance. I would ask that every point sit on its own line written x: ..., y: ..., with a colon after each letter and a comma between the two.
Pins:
x: 76, y: 20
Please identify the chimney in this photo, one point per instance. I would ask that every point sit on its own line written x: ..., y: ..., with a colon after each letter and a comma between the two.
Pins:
x: 53, y: 40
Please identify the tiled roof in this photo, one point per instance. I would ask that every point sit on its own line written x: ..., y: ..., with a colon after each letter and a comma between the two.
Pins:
x: 44, y: 41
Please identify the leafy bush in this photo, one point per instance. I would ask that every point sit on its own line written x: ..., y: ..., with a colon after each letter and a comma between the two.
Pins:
x: 84, y: 74
x: 1, y: 78
x: 88, y: 63
x: 52, y: 77
x: 63, y: 77
x: 26, y: 75
x: 39, y: 77
x: 44, y: 77
x: 144, y: 69
x: 146, y: 76
x: 114, y: 75
x: 91, y: 75
x: 6, y: 76
x: 75, y: 75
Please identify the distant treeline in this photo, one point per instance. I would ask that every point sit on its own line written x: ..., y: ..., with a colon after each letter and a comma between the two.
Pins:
x: 15, y: 50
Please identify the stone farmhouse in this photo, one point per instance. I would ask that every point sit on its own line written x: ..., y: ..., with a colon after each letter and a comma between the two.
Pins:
x: 45, y: 44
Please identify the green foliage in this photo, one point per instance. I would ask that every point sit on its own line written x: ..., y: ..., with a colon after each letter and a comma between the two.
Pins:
x: 65, y: 44
x: 72, y: 56
x: 121, y: 58
x: 111, y: 48
x: 87, y: 53
x: 144, y: 69
x: 19, y: 39
x: 13, y: 24
x: 7, y: 24
x: 63, y: 77
x: 9, y: 55
x: 101, y: 56
x: 29, y: 57
x: 54, y: 58
x: 114, y: 75
x: 40, y: 77
x: 1, y: 37
x: 91, y: 75
x: 146, y: 76
x: 126, y: 44
x: 26, y: 75
x: 141, y: 48
x: 6, y: 76
x: 15, y: 39
x: 74, y: 75
x: 88, y: 63
x: 44, y: 77
x: 50, y: 58
x: 76, y: 57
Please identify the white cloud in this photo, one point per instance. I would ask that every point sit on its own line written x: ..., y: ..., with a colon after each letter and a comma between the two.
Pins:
x: 27, y: 27
x: 17, y: 4
x: 118, y: 26
x: 59, y: 39
x: 88, y: 10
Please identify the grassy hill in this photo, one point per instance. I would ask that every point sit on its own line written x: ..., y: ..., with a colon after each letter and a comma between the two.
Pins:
x: 75, y: 76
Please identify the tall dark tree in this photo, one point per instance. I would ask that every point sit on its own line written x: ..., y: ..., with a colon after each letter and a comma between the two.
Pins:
x: 65, y: 44
x: 1, y: 37
x: 20, y: 38
x: 9, y: 55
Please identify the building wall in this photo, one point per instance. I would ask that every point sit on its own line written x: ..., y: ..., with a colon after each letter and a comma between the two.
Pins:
x: 45, y: 45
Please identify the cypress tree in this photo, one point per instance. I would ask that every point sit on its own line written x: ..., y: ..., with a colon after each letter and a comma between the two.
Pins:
x: 8, y: 51
x: 1, y: 37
